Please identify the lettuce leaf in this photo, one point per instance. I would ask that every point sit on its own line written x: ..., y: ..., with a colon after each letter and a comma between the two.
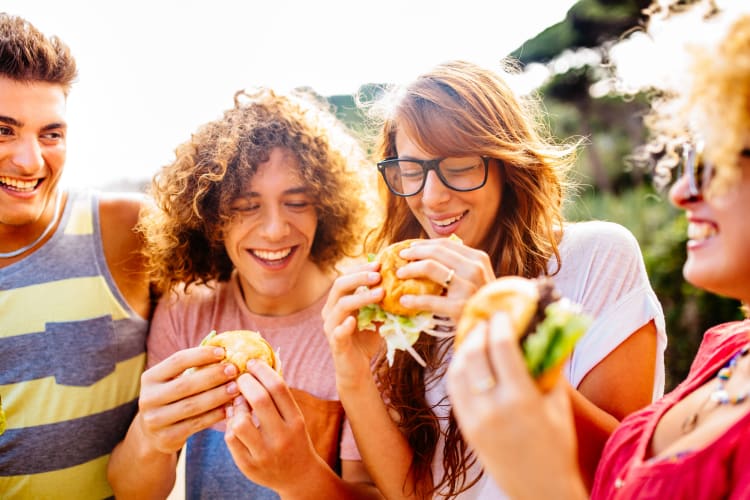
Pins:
x: 399, y: 332
x: 554, y: 337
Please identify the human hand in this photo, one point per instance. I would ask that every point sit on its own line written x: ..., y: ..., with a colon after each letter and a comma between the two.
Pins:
x: 351, y: 348
x: 266, y: 432
x: 174, y: 404
x: 515, y: 429
x: 439, y: 259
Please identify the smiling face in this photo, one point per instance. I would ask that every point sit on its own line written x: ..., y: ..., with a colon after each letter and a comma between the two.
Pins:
x: 32, y: 155
x: 270, y: 236
x: 718, y: 253
x: 442, y: 211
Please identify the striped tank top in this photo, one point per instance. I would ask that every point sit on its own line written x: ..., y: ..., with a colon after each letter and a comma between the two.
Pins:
x: 71, y: 355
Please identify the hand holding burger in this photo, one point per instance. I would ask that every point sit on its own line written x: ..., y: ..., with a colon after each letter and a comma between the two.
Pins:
x: 400, y: 326
x: 547, y: 326
x: 240, y: 346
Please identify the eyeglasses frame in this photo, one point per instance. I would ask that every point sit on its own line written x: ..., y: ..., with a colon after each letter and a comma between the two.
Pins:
x: 428, y: 165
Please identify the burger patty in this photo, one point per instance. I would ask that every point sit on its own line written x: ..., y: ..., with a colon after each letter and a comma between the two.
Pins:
x: 547, y: 295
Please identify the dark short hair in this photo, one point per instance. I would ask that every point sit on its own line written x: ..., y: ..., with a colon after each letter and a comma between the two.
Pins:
x: 27, y: 55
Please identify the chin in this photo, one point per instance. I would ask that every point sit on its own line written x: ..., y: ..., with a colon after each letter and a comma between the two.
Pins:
x: 707, y: 278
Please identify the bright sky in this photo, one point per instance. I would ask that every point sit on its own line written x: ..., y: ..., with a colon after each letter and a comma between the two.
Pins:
x: 150, y: 72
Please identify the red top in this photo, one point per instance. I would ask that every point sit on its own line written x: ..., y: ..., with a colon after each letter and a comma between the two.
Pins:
x: 719, y: 470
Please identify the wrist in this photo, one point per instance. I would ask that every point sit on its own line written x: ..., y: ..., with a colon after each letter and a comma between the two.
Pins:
x: 318, y: 480
x: 145, y: 446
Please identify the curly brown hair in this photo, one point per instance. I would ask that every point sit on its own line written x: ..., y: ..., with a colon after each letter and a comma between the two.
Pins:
x: 193, y: 194
x: 478, y: 114
x: 27, y: 55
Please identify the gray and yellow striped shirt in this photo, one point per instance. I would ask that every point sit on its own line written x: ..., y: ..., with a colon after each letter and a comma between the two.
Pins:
x: 71, y: 355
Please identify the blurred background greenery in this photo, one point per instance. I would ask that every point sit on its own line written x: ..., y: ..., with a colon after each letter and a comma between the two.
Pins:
x: 610, y: 187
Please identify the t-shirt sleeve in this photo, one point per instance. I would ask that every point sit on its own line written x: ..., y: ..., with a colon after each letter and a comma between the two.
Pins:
x: 605, y: 273
x: 163, y: 338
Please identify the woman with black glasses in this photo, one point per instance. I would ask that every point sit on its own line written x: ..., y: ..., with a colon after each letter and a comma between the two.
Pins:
x: 462, y: 155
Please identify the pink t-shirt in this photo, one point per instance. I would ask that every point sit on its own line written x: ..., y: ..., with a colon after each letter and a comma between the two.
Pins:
x: 721, y: 469
x: 183, y: 320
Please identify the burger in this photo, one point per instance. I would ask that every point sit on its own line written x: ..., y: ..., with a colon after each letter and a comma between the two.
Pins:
x: 240, y: 346
x: 546, y: 325
x: 400, y: 326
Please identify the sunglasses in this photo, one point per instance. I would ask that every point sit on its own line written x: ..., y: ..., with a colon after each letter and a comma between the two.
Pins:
x: 698, y: 171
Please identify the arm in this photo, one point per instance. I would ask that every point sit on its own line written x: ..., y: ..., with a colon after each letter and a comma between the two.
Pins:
x: 598, y: 408
x: 172, y: 406
x: 385, y: 452
x: 122, y: 249
x: 268, y: 440
x: 515, y: 430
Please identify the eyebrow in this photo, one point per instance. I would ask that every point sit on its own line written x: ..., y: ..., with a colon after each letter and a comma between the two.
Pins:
x: 297, y: 190
x: 15, y: 123
x: 10, y: 121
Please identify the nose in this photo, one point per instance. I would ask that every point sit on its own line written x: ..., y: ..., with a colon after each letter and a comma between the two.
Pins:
x: 275, y: 225
x: 434, y: 191
x: 28, y: 155
x: 679, y: 193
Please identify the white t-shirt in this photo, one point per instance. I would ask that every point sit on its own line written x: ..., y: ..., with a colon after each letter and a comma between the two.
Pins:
x: 603, y: 271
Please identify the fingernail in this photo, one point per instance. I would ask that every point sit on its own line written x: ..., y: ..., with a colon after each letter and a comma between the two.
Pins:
x: 229, y: 410
x: 406, y: 300
x: 230, y: 370
x: 238, y: 401
x: 219, y: 352
x: 232, y: 388
x: 375, y: 292
x: 250, y: 363
x: 373, y: 277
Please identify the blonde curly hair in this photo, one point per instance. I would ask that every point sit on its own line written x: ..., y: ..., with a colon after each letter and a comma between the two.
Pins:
x: 193, y: 194
x: 708, y: 102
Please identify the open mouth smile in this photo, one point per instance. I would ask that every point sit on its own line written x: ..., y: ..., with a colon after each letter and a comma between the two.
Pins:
x: 273, y: 258
x: 19, y: 185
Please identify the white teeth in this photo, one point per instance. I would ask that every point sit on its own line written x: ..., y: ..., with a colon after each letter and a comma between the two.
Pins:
x: 447, y: 222
x: 698, y: 231
x: 18, y: 184
x: 275, y: 255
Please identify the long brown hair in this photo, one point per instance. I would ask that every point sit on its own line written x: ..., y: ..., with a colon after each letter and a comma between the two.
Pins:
x: 478, y: 114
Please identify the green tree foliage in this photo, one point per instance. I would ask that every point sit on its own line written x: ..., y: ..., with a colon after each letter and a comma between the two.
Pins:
x: 589, y: 23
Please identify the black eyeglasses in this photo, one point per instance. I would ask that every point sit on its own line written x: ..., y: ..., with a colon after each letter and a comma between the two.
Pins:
x: 407, y: 177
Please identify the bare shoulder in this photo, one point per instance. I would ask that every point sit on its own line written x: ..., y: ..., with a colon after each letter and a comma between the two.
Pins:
x: 120, y: 210
x: 123, y: 245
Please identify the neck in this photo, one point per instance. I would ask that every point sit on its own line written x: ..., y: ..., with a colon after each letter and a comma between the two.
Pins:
x: 309, y: 287
x: 18, y: 240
